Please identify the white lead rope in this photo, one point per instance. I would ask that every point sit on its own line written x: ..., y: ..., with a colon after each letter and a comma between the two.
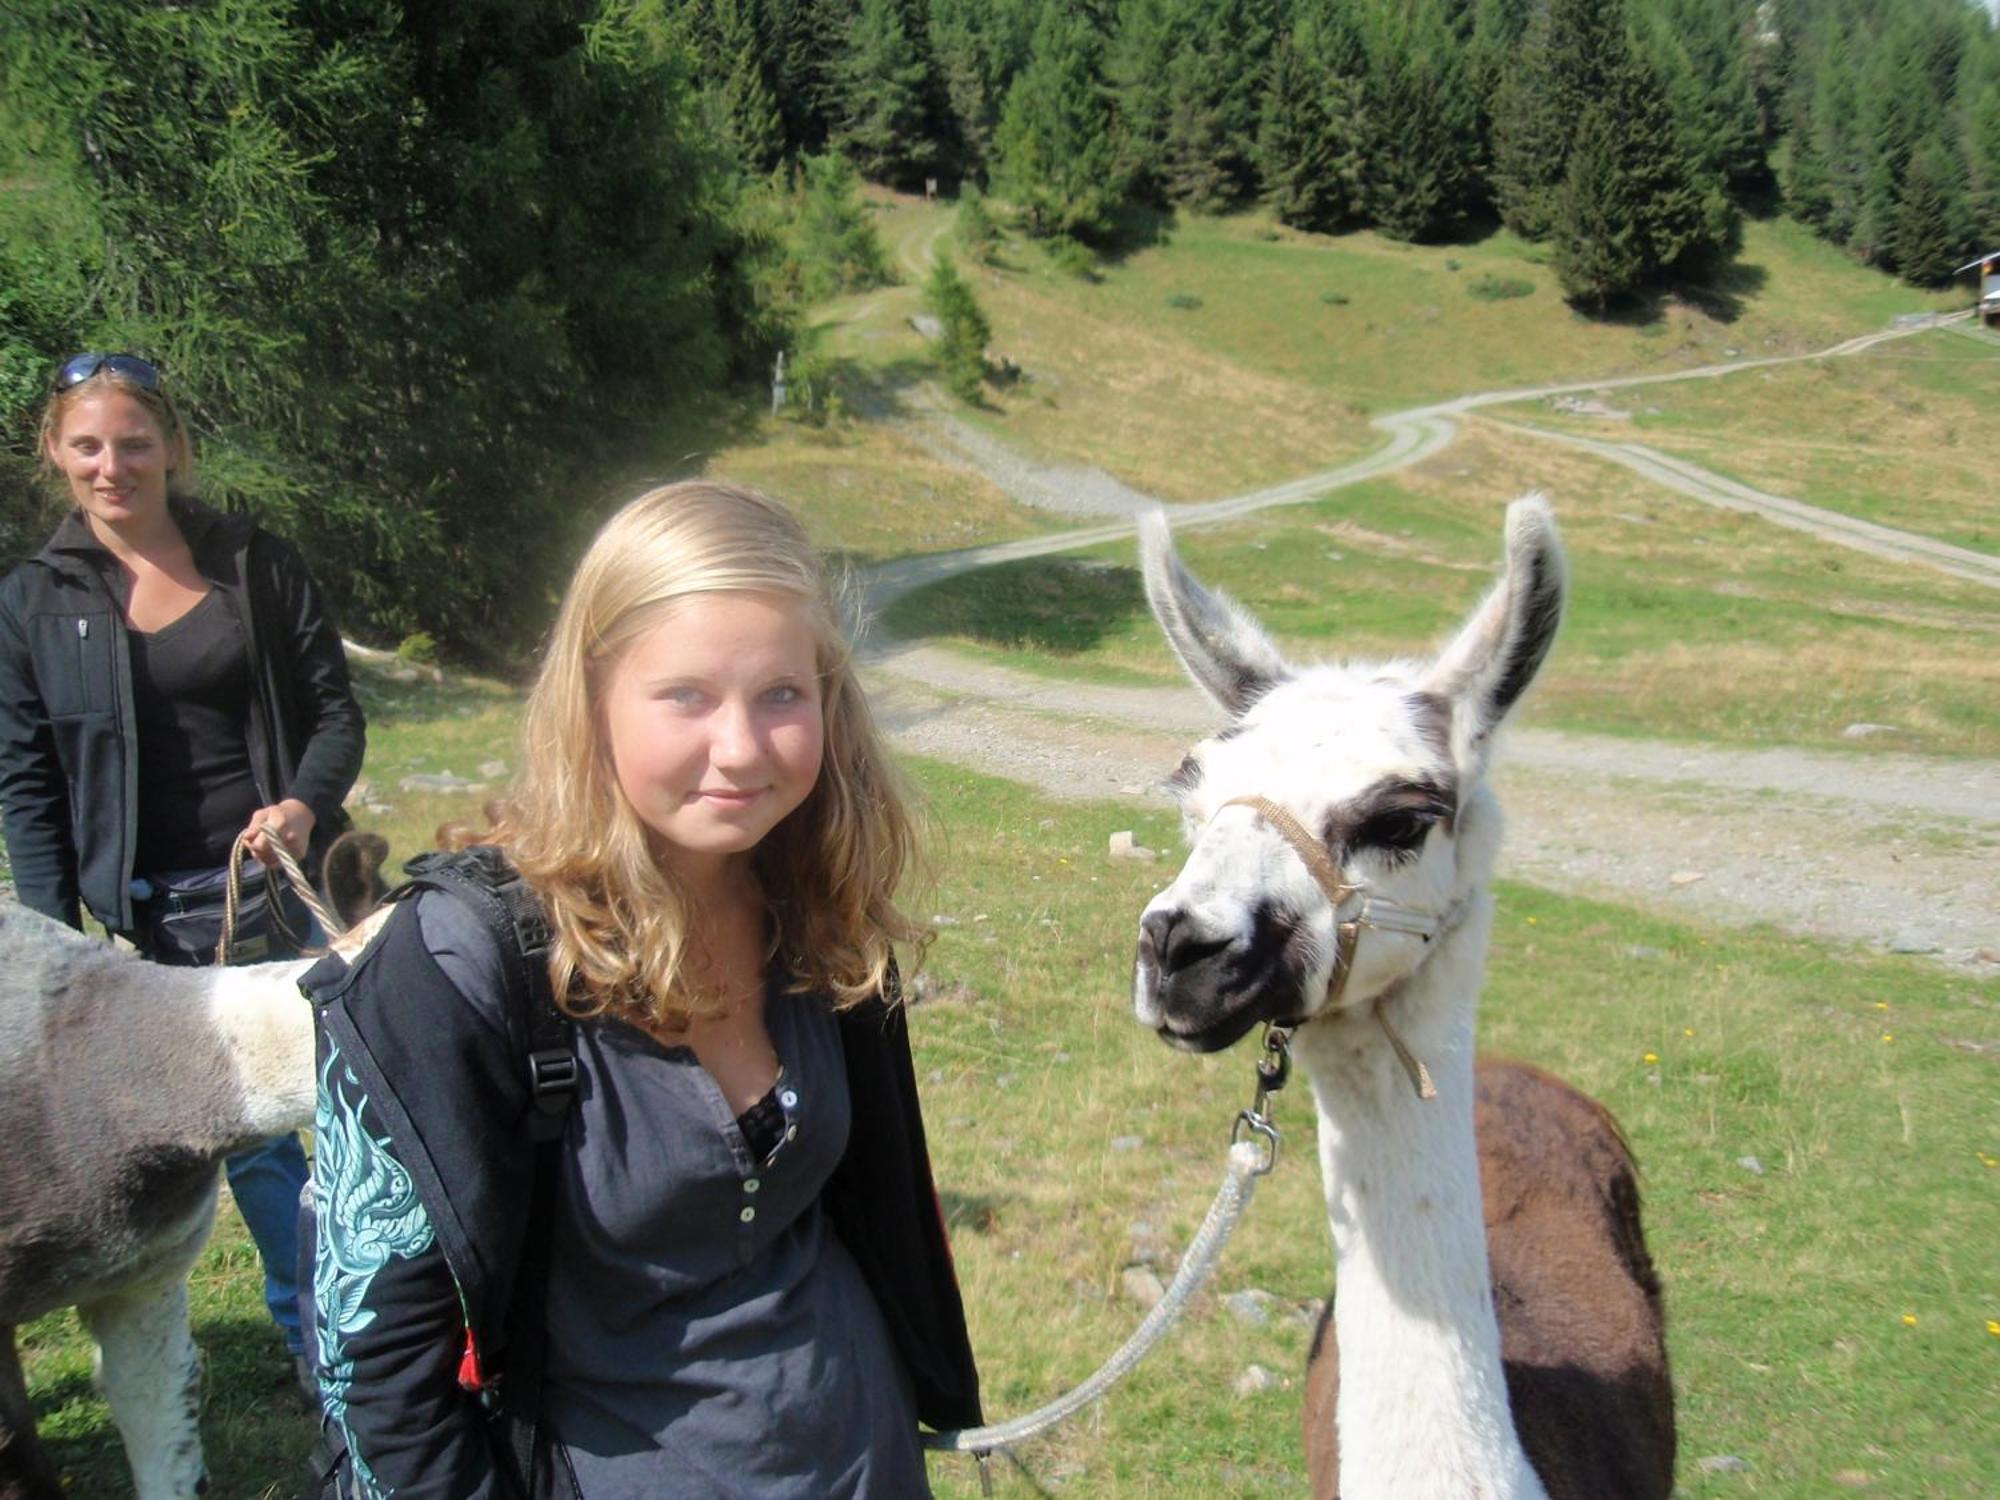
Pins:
x: 1252, y: 1154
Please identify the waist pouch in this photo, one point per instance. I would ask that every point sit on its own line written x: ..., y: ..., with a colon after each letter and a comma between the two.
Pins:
x: 177, y: 918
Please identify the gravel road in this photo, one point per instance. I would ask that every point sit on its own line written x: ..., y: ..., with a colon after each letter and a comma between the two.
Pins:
x: 1891, y: 851
x: 1895, y: 852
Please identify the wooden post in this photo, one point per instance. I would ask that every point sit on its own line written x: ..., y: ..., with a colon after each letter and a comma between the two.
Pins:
x: 930, y: 190
x: 778, y: 384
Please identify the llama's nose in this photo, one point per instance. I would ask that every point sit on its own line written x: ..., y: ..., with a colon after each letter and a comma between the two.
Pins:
x: 1168, y: 941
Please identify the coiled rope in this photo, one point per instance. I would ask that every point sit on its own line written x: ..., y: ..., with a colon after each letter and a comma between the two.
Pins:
x: 232, y: 896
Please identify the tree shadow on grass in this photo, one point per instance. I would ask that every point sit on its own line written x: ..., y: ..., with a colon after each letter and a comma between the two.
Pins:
x: 1137, y: 226
x: 1062, y: 605
x: 1719, y: 292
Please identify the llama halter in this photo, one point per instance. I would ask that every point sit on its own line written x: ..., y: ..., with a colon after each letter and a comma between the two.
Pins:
x: 1377, y: 913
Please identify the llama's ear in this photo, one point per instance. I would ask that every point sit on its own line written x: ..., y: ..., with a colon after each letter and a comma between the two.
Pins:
x: 1501, y: 647
x: 1225, y: 652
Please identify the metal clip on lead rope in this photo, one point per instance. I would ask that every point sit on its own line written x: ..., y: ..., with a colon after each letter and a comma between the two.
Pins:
x: 1274, y: 1068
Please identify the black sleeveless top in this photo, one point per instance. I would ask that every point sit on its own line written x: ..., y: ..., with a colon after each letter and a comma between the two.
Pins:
x: 191, y: 694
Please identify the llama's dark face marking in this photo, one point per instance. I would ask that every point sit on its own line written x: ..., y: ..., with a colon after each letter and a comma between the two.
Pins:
x: 1246, y: 934
x: 1384, y: 763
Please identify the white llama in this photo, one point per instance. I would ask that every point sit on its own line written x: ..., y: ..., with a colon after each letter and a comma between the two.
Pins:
x: 1344, y: 836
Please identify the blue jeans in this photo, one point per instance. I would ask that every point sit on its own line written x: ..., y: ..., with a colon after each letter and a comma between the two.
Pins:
x: 266, y: 1182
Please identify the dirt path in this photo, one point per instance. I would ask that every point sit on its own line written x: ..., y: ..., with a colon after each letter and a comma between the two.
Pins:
x: 1896, y: 852
x: 1892, y: 851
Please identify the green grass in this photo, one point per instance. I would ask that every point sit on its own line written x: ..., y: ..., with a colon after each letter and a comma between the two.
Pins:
x: 1686, y: 622
x: 1786, y: 1290
x: 1299, y: 338
x: 1063, y: 1132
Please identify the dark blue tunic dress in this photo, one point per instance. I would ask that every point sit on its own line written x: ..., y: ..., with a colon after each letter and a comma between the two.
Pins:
x: 709, y: 1335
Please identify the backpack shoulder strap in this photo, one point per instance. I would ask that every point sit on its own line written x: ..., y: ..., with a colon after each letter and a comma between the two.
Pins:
x: 484, y: 879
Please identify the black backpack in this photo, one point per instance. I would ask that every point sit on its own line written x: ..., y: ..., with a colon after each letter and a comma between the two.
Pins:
x: 483, y: 879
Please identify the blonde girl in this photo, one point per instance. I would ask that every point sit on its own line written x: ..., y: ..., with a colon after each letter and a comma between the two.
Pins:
x: 749, y: 1295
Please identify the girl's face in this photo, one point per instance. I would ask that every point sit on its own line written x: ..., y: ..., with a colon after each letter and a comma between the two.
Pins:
x: 113, y: 452
x: 712, y: 717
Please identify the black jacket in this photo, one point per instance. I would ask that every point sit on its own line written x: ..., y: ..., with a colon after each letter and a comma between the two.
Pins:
x: 447, y: 1092
x: 68, y: 738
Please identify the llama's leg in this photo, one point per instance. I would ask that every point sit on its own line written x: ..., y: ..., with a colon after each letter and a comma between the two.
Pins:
x: 150, y: 1372
x: 26, y: 1471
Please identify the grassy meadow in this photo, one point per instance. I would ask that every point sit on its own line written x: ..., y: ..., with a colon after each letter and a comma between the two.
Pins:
x: 1901, y: 434
x: 1817, y: 1125
x: 1686, y: 622
x: 1832, y: 1313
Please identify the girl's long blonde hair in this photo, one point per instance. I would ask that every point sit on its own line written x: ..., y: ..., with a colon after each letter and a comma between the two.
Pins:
x: 829, y: 872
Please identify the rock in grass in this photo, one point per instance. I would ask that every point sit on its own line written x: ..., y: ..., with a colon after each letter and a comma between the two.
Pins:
x: 1141, y: 1285
x: 1252, y: 1306
x: 1685, y: 877
x: 1863, y: 730
x: 1751, y: 1165
x: 1724, y: 1463
x: 439, y: 781
x: 1253, y: 1380
x: 1122, y: 847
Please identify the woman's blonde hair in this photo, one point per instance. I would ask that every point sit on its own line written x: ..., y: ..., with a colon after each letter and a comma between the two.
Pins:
x: 829, y: 871
x: 180, y: 448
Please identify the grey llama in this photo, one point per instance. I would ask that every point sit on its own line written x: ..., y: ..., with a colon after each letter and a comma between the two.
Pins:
x: 123, y: 1085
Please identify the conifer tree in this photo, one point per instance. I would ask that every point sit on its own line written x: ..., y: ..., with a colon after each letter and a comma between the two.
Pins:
x: 805, y: 41
x: 1423, y: 165
x: 1531, y: 135
x: 1150, y: 36
x: 1311, y: 147
x: 965, y: 329
x: 1597, y: 249
x: 745, y: 108
x: 1053, y: 150
x: 888, y: 91
x: 977, y: 54
x: 1929, y: 235
x: 337, y: 226
x: 1982, y: 169
x: 1895, y: 108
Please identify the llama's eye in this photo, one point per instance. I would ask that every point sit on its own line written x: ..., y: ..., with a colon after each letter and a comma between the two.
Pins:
x: 1401, y: 832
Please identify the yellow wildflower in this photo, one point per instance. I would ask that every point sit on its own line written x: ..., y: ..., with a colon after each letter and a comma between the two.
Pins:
x: 1993, y: 1327
x: 1888, y: 1036
x: 1909, y: 1320
x: 1651, y: 1058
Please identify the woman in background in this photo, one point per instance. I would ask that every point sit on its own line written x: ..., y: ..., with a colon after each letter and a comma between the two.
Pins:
x: 169, y: 679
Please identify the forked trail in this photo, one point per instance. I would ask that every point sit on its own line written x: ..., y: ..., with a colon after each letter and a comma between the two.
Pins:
x: 1731, y: 836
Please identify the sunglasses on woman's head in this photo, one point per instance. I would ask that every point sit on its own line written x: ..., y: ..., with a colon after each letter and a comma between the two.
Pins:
x: 129, y: 366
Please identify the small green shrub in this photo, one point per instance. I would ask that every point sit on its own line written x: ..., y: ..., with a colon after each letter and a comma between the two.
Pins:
x: 1499, y: 288
x: 962, y: 349
x: 977, y: 230
x: 1074, y: 258
x: 1334, y: 299
x: 1451, y: 265
x: 1185, y: 301
x: 417, y: 646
